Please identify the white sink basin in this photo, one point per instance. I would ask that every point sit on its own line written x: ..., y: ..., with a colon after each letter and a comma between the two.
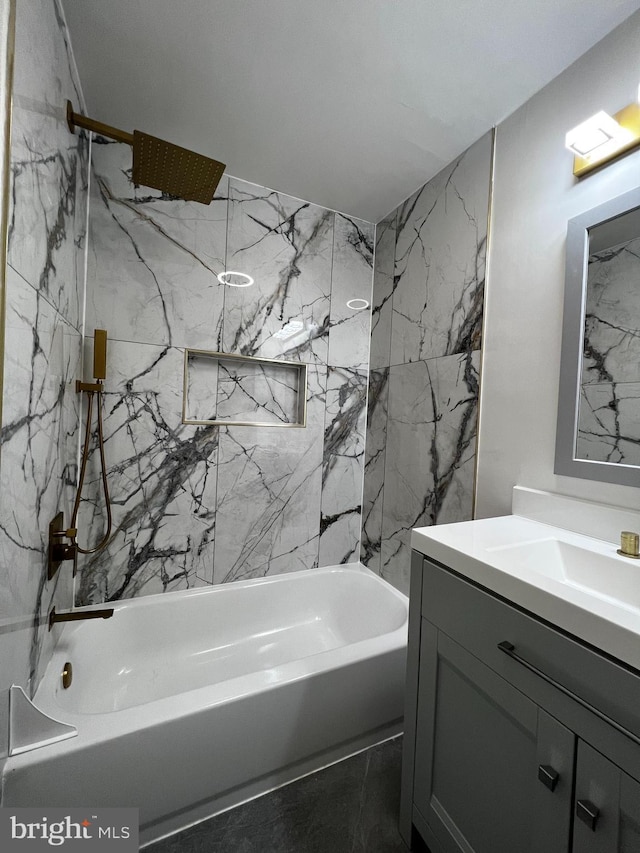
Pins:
x: 555, y: 558
x: 610, y: 577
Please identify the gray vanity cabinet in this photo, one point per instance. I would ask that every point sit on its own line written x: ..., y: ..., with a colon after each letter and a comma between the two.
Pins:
x: 481, y: 744
x: 499, y: 757
x: 613, y: 798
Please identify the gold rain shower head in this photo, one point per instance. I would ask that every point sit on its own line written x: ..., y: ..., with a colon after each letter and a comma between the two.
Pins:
x: 159, y: 164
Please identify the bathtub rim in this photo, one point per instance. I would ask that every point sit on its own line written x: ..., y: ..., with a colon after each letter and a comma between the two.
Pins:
x: 104, y: 726
x: 220, y: 588
x: 384, y: 653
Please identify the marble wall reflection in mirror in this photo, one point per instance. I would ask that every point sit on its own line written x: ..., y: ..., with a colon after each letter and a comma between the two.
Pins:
x: 599, y: 404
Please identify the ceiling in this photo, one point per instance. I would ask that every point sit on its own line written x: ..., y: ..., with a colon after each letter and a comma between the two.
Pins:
x: 352, y: 104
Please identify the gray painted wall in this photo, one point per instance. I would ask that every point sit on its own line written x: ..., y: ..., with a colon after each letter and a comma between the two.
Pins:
x: 535, y: 194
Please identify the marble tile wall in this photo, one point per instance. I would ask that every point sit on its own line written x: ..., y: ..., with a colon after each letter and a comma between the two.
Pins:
x: 43, y: 348
x: 609, y: 420
x: 425, y: 357
x: 201, y: 504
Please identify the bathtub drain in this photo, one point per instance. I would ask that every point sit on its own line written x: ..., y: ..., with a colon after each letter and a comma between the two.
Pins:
x: 67, y: 675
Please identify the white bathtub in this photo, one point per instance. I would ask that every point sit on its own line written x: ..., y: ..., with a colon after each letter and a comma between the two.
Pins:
x: 189, y: 703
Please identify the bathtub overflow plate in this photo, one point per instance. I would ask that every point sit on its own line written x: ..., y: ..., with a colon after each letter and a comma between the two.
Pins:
x: 67, y: 675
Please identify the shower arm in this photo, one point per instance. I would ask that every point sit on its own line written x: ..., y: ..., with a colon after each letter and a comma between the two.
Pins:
x: 159, y: 164
x: 77, y: 120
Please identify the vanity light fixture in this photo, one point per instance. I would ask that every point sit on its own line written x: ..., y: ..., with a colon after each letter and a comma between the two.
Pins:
x: 602, y: 138
x: 235, y: 279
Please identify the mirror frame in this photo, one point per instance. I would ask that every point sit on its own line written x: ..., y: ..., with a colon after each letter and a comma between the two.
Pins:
x: 575, y: 289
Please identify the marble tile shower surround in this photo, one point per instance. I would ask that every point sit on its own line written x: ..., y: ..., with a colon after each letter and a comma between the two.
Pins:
x: 374, y: 477
x: 153, y: 261
x: 196, y: 505
x: 383, y: 284
x: 430, y: 452
x: 343, y: 465
x: 424, y: 379
x: 608, y: 428
x: 380, y: 352
x: 43, y: 345
x: 441, y: 235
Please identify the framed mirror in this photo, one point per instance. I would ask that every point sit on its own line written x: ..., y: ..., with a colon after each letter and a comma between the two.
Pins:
x: 598, y: 433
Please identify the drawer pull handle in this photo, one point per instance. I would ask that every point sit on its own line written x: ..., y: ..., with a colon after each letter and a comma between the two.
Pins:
x: 548, y: 776
x: 588, y: 813
x: 510, y: 650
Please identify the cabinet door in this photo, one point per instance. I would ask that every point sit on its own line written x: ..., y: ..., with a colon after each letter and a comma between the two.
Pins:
x: 607, y: 806
x: 480, y: 744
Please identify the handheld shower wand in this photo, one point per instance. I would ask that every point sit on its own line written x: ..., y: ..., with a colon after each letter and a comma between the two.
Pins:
x: 92, y: 389
x: 58, y: 551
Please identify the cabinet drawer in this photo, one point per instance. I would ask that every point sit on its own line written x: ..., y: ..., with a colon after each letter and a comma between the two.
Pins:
x: 480, y: 621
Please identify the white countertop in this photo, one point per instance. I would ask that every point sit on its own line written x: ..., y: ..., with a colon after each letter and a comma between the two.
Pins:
x: 473, y: 549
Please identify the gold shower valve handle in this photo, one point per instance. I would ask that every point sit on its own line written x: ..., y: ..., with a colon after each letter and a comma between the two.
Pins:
x: 629, y: 544
x: 71, y: 533
x: 66, y: 552
x: 59, y: 550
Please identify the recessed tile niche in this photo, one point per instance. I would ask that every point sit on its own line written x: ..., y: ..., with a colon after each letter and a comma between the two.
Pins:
x: 236, y: 390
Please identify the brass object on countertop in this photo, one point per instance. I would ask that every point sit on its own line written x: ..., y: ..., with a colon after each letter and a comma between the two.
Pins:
x: 629, y: 545
x: 67, y: 675
x: 159, y: 164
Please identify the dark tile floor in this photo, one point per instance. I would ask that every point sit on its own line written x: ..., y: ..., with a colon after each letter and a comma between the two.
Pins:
x: 350, y: 807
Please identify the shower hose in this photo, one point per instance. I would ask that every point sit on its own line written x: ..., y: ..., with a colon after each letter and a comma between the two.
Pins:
x: 83, y: 469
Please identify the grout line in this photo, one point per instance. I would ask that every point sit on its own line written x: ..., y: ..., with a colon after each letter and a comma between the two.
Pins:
x: 487, y: 265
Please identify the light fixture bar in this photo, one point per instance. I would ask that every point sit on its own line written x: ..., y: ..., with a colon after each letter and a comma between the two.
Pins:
x: 608, y: 143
